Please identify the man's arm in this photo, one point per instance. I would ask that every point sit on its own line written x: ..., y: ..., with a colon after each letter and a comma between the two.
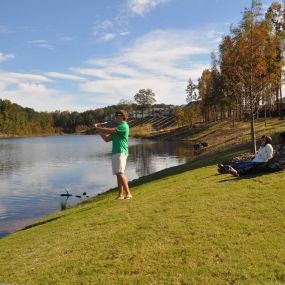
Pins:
x: 106, y: 138
x: 109, y: 131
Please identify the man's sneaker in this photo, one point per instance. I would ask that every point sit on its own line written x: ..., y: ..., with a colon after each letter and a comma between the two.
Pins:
x: 129, y: 196
x: 220, y: 166
x: 224, y: 168
x: 222, y: 171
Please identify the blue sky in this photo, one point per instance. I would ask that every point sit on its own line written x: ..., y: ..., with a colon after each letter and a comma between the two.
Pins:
x: 81, y: 55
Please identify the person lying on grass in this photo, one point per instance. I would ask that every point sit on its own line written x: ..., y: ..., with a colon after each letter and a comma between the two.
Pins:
x: 264, y: 153
x: 276, y: 163
x: 119, y: 137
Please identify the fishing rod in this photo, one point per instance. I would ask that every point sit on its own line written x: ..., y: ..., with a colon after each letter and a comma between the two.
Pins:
x: 67, y: 194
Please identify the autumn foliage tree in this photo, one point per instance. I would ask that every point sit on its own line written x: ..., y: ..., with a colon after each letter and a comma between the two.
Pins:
x: 246, y: 77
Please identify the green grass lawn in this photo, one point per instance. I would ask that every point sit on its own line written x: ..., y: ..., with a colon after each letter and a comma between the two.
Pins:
x: 185, y: 225
x: 225, y: 134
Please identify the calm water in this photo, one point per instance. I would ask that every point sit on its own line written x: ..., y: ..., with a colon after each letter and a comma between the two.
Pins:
x: 34, y: 171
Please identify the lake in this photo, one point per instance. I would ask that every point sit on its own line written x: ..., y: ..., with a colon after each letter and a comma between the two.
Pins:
x: 35, y: 171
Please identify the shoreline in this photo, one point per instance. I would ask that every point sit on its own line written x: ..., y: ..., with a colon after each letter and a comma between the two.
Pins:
x: 36, y: 136
x: 133, y: 183
x: 202, y: 221
x: 213, y: 148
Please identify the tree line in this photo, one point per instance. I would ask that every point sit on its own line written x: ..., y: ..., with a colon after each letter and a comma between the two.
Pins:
x: 20, y: 121
x: 246, y: 75
x: 17, y: 120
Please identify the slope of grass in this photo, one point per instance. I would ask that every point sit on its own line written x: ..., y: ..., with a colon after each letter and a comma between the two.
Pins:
x: 224, y: 133
x: 141, y: 131
x: 185, y: 225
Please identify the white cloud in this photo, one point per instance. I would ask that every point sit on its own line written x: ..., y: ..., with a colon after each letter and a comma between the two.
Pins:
x: 42, y: 44
x: 124, y: 33
x: 101, y: 27
x: 41, y: 98
x: 140, y: 7
x: 4, y: 57
x: 99, y: 73
x: 107, y: 37
x: 161, y: 60
x: 67, y: 38
x: 65, y: 76
x: 2, y: 86
x: 30, y: 90
x: 15, y: 78
x: 109, y: 29
x: 33, y: 95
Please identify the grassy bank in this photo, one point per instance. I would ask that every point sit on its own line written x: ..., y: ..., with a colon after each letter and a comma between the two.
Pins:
x: 223, y: 133
x: 185, y: 225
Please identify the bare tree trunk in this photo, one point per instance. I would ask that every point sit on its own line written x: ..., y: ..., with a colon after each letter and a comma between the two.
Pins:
x: 277, y: 101
x: 265, y: 116
x: 252, y: 130
x: 240, y: 113
x: 281, y: 103
x: 257, y: 113
x: 252, y: 119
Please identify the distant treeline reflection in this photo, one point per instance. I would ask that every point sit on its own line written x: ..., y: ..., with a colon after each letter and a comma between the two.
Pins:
x: 143, y: 155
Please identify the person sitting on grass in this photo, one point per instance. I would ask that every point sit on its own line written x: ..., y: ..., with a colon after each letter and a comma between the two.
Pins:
x: 119, y: 137
x: 264, y: 154
x: 276, y: 163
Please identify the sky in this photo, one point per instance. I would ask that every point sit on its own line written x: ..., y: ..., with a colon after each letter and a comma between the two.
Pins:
x: 80, y: 55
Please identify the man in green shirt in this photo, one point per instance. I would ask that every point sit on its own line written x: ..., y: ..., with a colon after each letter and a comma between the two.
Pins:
x: 119, y: 137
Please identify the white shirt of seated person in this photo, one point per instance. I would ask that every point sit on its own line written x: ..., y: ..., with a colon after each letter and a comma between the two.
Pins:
x: 264, y: 153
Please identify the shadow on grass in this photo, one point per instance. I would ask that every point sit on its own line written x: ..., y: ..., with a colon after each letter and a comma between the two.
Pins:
x: 204, y: 160
x: 40, y: 223
x: 210, y: 157
x: 249, y: 176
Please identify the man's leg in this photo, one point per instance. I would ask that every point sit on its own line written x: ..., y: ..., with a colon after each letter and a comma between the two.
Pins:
x: 233, y: 172
x: 115, y: 168
x: 124, y: 182
x: 120, y: 186
x: 259, y: 168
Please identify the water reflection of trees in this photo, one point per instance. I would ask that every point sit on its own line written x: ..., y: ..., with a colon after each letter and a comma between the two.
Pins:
x: 10, y: 161
x: 146, y: 154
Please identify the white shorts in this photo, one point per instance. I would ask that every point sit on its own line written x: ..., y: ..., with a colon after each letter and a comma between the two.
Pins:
x: 119, y: 161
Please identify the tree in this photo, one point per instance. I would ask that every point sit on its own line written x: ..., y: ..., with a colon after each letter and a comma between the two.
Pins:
x: 179, y: 116
x: 126, y: 104
x: 204, y: 86
x: 247, y: 78
x: 276, y: 16
x: 145, y: 98
x: 191, y: 91
x: 190, y: 113
x: 249, y: 62
x: 254, y: 62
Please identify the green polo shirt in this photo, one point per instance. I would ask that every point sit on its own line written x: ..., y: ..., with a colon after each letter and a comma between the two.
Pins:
x: 120, y: 139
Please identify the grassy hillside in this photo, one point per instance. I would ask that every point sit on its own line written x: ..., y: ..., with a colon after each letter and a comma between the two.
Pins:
x: 223, y: 134
x: 185, y: 225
